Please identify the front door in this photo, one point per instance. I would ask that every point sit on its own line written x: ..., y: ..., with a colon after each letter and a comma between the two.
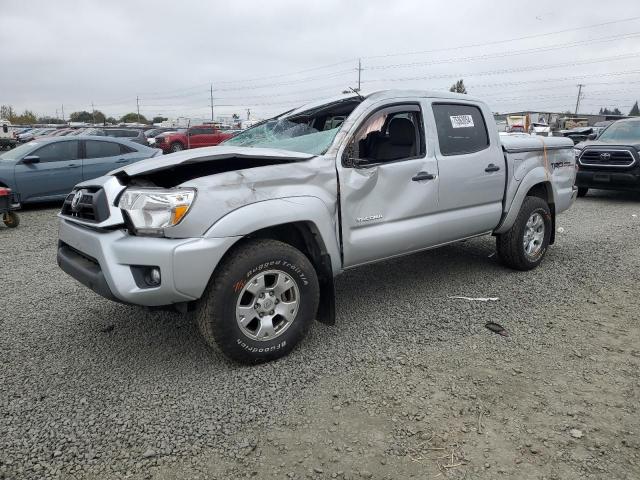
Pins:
x: 56, y: 172
x: 388, y: 187
x: 472, y: 170
x: 200, y: 137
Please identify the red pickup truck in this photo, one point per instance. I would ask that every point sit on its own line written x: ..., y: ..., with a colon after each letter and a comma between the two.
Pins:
x: 194, y: 137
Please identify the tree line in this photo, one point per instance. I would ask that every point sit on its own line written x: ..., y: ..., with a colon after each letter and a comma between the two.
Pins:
x: 28, y: 117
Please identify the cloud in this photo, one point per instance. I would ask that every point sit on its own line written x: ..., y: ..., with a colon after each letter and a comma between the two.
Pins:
x: 168, y: 53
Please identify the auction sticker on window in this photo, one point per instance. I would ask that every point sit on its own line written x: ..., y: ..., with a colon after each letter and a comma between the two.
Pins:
x: 461, y: 121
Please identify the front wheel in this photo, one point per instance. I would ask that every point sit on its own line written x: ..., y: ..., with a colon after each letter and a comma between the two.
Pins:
x: 524, y: 245
x: 582, y: 191
x: 260, y: 302
x: 11, y: 219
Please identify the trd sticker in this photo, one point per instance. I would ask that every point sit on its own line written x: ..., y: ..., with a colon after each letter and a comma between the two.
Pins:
x: 461, y: 121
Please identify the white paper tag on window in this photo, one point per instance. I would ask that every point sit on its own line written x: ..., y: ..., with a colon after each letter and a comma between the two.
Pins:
x: 461, y: 121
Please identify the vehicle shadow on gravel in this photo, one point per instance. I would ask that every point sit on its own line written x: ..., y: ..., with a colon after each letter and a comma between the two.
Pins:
x: 160, y: 336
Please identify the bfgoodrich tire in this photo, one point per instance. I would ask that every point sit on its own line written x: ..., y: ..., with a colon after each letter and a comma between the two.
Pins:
x: 260, y: 302
x: 523, y: 246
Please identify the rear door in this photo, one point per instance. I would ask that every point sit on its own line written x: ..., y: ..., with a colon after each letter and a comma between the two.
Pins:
x: 472, y: 169
x: 55, y: 175
x: 102, y: 156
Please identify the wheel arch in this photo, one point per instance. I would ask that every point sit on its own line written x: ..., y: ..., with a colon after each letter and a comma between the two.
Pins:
x: 534, y: 184
x: 304, y: 223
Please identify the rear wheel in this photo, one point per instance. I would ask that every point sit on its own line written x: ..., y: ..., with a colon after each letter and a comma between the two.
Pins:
x: 11, y: 219
x: 582, y: 191
x: 523, y: 246
x: 260, y: 302
x: 176, y: 147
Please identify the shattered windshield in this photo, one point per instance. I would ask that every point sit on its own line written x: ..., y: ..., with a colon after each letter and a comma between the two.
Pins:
x: 286, y: 135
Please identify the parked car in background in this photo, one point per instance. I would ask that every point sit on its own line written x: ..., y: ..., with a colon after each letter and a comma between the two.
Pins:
x: 7, y: 135
x: 47, y: 169
x: 612, y: 161
x: 578, y: 134
x: 154, y: 132
x: 133, y: 134
x: 29, y: 135
x: 194, y: 137
x: 60, y: 132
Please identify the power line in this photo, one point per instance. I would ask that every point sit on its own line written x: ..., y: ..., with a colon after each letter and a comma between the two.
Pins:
x: 507, y: 70
x: 508, y: 40
x: 506, y: 54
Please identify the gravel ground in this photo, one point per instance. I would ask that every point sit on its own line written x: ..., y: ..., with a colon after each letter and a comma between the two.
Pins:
x: 408, y: 384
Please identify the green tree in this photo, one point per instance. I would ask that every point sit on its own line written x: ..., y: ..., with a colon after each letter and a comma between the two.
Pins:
x: 88, y: 117
x: 111, y: 120
x: 635, y: 111
x: 82, y: 116
x: 50, y: 120
x: 133, y: 118
x: 458, y: 87
x: 159, y: 119
x: 613, y: 111
x: 6, y: 112
x: 26, y: 118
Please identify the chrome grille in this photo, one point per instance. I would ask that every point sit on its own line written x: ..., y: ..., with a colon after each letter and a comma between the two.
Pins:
x: 607, y: 158
x: 90, y: 206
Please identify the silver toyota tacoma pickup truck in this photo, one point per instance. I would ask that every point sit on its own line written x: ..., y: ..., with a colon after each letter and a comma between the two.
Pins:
x: 249, y: 235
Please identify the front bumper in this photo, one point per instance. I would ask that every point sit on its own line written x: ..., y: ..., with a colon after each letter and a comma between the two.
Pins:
x: 102, y: 261
x: 608, y: 179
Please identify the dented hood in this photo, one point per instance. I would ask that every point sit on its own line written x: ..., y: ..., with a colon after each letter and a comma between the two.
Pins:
x: 208, y: 154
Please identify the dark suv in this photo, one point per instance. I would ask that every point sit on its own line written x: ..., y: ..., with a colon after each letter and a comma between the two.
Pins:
x: 611, y: 162
x: 133, y: 134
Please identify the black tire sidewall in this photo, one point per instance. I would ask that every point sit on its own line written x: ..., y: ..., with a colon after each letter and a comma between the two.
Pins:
x: 229, y: 285
x: 11, y: 219
x: 537, y: 206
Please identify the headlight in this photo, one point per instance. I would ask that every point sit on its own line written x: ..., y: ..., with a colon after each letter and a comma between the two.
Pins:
x: 153, y: 209
x: 576, y: 152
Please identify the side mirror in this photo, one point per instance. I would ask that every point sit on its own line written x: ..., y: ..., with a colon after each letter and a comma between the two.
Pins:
x: 31, y: 159
x: 592, y: 136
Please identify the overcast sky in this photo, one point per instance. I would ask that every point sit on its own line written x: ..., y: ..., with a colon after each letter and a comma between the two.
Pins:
x: 271, y: 56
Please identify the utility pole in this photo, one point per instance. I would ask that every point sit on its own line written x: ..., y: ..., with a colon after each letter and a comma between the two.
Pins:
x: 359, y: 72
x: 580, y: 85
x: 138, y: 107
x: 248, y: 114
x: 211, y: 97
x: 93, y: 113
x: 63, y: 113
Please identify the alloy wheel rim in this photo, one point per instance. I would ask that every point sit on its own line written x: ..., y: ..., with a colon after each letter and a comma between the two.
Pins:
x: 267, y: 305
x: 533, y: 235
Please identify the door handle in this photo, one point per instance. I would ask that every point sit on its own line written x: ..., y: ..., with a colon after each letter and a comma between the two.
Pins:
x: 492, y: 168
x: 420, y: 176
x: 73, y: 165
x: 122, y: 160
